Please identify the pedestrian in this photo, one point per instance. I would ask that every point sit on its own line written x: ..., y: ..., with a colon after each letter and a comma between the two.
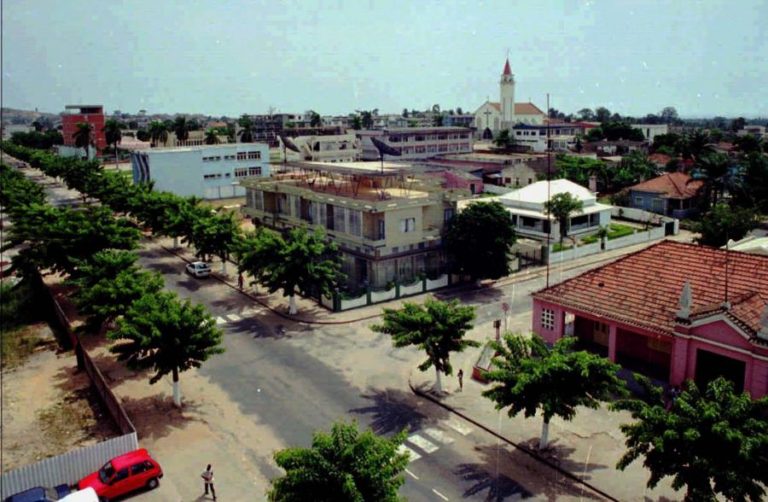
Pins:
x: 240, y: 281
x: 460, y: 374
x: 207, y: 476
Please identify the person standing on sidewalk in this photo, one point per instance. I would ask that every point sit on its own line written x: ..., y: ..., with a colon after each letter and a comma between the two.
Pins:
x: 460, y: 374
x: 240, y: 281
x: 207, y: 476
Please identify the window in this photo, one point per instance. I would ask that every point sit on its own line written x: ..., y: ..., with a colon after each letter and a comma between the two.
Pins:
x: 639, y: 201
x: 212, y: 176
x: 241, y: 172
x: 447, y: 215
x: 138, y: 469
x: 121, y: 475
x: 382, y: 233
x: 254, y: 171
x: 548, y: 319
x: 241, y: 155
x: 254, y: 155
x: 339, y: 215
x: 355, y: 222
x: 407, y: 225
x: 229, y: 157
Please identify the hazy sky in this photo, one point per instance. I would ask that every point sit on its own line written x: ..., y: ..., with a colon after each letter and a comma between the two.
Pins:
x: 233, y: 57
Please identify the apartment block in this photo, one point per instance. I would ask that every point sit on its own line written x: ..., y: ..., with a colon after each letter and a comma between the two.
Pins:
x: 418, y: 142
x: 388, y: 222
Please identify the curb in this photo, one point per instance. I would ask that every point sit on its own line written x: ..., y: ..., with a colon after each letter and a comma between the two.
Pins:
x: 532, y: 453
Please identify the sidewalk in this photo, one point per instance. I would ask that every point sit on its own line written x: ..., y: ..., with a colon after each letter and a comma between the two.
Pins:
x: 588, y: 447
x: 310, y: 312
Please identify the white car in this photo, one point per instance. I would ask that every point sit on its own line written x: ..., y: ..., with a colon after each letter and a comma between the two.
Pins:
x: 199, y: 269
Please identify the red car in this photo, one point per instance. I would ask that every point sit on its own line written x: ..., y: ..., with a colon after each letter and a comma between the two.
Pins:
x: 124, y: 474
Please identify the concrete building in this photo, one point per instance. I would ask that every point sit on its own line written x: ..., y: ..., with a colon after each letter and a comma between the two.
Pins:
x: 209, y: 172
x: 89, y: 114
x: 330, y: 148
x: 650, y: 131
x: 671, y: 194
x: 560, y: 137
x: 493, y: 117
x: 418, y: 142
x: 757, y: 131
x: 670, y: 311
x: 526, y: 208
x: 387, y: 222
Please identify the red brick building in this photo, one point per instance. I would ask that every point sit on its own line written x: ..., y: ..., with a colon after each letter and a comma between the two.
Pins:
x: 91, y: 114
x: 669, y: 311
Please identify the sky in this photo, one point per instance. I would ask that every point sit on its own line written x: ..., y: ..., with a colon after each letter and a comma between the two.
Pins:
x: 223, y: 57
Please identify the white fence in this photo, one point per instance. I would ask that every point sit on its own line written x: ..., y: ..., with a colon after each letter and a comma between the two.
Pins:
x: 401, y: 291
x: 653, y: 234
x: 67, y: 468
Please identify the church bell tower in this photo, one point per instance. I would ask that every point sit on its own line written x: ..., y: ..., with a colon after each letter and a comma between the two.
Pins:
x: 507, y: 97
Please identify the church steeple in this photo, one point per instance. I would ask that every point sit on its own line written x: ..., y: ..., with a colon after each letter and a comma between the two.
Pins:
x: 507, y: 97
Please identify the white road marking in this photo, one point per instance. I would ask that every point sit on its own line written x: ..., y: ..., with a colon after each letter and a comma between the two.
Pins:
x: 412, y: 474
x: 233, y: 317
x: 439, y: 494
x: 438, y: 435
x: 459, y: 427
x: 422, y: 443
x: 221, y: 320
x: 411, y: 454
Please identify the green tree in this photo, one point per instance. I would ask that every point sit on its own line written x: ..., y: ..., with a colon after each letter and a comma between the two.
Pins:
x: 755, y: 183
x: 257, y: 251
x: 161, y: 333
x: 633, y: 168
x: 436, y: 327
x: 143, y: 135
x: 437, y: 120
x: 113, y: 135
x: 83, y: 137
x: 586, y: 114
x: 561, y: 206
x: 711, y: 441
x: 158, y: 133
x: 357, y: 122
x: 405, y: 113
x: 342, y: 466
x: 306, y: 260
x: 109, y: 283
x: 738, y: 124
x: 723, y: 223
x: 181, y: 128
x: 602, y: 114
x: 529, y: 376
x: 595, y: 134
x: 714, y: 169
x: 478, y: 241
x: 211, y: 138
x: 215, y: 235
x: 504, y: 140
x: 669, y: 115
x: 315, y: 120
x: 246, y: 129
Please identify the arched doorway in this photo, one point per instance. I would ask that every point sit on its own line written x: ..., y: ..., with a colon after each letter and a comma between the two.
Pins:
x: 487, y: 134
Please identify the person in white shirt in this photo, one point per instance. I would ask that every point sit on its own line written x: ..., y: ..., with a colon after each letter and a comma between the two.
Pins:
x: 207, y: 476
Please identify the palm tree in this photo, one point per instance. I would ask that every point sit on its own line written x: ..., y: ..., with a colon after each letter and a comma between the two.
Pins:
x: 113, y: 134
x: 713, y: 168
x: 83, y: 137
x: 211, y: 138
x: 561, y: 206
x: 246, y: 129
x: 158, y: 132
x: 181, y: 128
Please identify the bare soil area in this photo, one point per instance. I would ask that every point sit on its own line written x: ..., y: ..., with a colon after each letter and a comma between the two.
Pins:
x: 48, y: 408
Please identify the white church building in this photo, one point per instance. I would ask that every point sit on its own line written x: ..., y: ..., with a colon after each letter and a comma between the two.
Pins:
x: 493, y: 117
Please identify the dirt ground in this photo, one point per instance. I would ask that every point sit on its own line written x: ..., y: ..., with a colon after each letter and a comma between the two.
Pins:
x: 47, y: 407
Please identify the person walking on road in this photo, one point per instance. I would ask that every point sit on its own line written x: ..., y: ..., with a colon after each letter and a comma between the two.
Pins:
x: 460, y: 374
x: 207, y: 476
x: 240, y: 281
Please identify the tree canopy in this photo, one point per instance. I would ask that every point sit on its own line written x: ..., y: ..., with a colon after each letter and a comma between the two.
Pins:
x: 723, y: 223
x: 345, y: 465
x: 561, y: 206
x: 529, y: 376
x: 478, y: 241
x: 711, y: 441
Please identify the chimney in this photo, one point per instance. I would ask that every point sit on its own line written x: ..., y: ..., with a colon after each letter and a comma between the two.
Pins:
x: 686, y: 299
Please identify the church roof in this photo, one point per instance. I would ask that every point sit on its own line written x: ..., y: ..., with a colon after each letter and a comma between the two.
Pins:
x: 520, y: 108
x: 507, y: 69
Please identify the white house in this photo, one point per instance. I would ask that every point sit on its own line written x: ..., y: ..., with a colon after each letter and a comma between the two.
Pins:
x: 209, y: 171
x: 650, y: 131
x: 326, y: 148
x: 526, y: 207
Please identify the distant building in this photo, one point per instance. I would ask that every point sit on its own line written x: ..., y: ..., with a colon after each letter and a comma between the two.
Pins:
x: 387, y: 221
x: 331, y: 148
x: 671, y: 194
x: 560, y: 137
x: 752, y: 244
x: 418, y: 142
x: 10, y: 129
x: 512, y: 170
x: 493, y: 117
x: 209, y: 171
x: 650, y: 131
x: 755, y: 130
x: 464, y: 120
x: 90, y: 114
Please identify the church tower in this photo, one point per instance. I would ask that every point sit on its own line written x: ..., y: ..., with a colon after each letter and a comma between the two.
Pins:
x: 507, y: 95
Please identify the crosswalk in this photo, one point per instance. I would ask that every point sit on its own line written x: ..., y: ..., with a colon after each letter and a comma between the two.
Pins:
x: 227, y: 318
x: 430, y: 439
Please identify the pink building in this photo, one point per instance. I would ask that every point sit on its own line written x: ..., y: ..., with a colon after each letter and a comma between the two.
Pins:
x: 671, y: 312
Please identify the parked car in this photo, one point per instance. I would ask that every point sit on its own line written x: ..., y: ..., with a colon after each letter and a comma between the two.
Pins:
x: 40, y: 494
x: 124, y: 474
x: 199, y: 269
x: 87, y: 495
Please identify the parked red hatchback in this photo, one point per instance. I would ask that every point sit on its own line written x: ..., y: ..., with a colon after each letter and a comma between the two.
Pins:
x: 124, y: 474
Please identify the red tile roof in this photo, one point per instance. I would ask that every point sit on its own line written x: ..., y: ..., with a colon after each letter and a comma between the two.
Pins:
x: 527, y: 109
x: 643, y: 288
x: 672, y: 185
x: 659, y: 159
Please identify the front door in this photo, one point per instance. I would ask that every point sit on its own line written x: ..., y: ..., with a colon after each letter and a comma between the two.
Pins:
x: 710, y: 366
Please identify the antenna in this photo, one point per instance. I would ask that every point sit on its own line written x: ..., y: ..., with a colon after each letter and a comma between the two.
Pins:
x: 549, y: 187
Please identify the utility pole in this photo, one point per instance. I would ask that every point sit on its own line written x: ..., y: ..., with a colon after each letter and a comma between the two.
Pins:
x: 549, y: 185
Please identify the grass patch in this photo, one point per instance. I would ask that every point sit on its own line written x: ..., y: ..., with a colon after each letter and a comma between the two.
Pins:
x: 616, y: 230
x: 18, y: 311
x: 590, y: 239
x: 557, y: 247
